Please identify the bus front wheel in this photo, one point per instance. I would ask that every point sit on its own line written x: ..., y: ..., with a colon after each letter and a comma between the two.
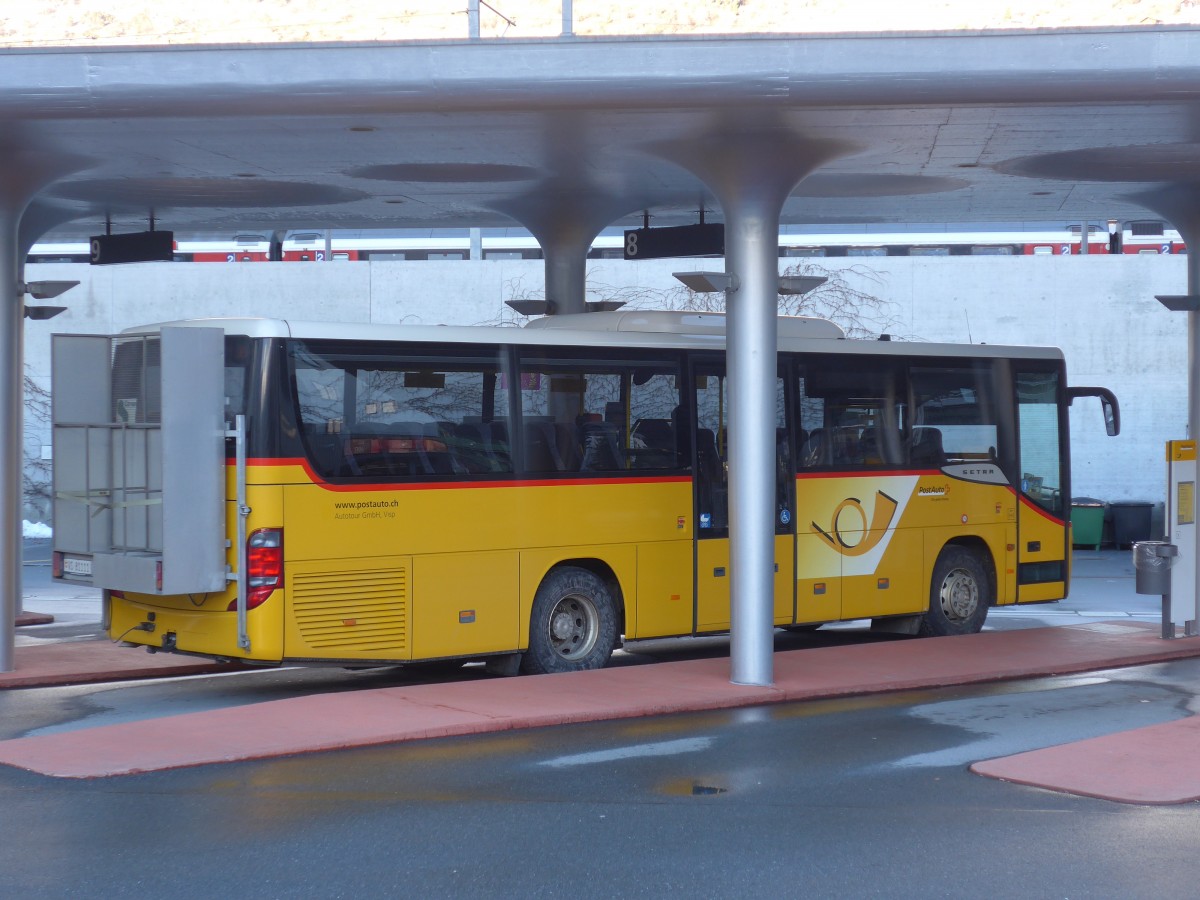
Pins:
x: 573, y: 625
x: 959, y: 594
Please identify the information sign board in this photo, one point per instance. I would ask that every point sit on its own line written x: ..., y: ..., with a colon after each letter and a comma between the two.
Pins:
x: 684, y: 240
x: 141, y: 246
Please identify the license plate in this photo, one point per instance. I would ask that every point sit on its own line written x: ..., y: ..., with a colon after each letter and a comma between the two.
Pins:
x: 77, y: 566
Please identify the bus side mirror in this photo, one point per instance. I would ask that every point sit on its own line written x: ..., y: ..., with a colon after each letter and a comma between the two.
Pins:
x: 1108, y: 403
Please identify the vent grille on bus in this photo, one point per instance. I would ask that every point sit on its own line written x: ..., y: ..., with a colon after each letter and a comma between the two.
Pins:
x: 363, y: 611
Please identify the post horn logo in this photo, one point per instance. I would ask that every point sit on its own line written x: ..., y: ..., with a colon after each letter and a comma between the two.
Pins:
x: 868, y: 536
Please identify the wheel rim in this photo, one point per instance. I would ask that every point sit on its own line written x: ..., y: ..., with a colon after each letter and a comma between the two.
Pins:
x: 959, y: 595
x: 574, y: 627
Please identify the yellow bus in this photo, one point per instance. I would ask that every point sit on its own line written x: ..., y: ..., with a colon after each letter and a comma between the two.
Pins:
x: 534, y: 496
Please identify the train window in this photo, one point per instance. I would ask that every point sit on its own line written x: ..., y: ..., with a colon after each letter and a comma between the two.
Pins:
x: 801, y: 251
x: 1146, y: 229
x: 929, y: 251
x: 866, y: 251
x: 991, y: 251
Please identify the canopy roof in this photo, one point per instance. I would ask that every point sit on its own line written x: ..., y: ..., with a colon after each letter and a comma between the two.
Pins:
x: 904, y: 128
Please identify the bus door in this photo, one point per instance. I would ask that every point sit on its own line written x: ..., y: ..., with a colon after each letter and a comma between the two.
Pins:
x: 859, y: 553
x: 710, y: 456
x: 1042, y: 533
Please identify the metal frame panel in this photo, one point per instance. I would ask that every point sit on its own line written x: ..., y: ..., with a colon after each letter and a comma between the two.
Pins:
x: 145, y: 500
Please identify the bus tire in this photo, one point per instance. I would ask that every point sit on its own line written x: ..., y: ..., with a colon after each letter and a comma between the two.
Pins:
x: 573, y: 625
x: 960, y: 593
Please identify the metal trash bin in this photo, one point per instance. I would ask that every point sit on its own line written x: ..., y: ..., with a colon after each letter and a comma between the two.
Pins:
x: 1152, y: 561
x: 1087, y: 522
x: 1131, y: 522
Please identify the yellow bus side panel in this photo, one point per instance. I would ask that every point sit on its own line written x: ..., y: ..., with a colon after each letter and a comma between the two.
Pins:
x: 897, y: 584
x: 884, y: 532
x: 712, y: 583
x: 785, y: 579
x: 1037, y: 529
x: 818, y: 580
x: 349, y: 609
x: 664, y: 591
x: 1006, y: 567
x: 425, y: 523
x: 1032, y: 593
x: 201, y: 631
x: 466, y: 603
x: 417, y: 520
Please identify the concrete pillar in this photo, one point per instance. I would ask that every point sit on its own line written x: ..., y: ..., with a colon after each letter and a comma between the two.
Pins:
x: 565, y: 251
x: 752, y: 170
x: 12, y: 431
x: 752, y: 258
x: 25, y: 168
x: 565, y: 215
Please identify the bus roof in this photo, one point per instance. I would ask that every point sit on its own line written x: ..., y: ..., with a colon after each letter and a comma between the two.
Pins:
x: 607, y: 329
x: 689, y: 322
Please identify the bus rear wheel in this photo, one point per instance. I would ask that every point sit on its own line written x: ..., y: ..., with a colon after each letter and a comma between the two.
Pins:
x: 960, y: 593
x: 573, y: 625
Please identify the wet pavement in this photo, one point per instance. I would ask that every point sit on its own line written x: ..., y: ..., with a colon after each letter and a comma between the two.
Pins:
x: 872, y: 790
x: 847, y: 797
x: 1103, y: 625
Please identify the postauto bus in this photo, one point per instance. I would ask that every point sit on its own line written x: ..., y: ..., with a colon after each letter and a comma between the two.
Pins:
x: 534, y: 496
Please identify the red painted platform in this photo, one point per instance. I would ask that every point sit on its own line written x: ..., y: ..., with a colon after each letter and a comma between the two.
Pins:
x: 86, y: 662
x: 1154, y: 765
x: 387, y: 715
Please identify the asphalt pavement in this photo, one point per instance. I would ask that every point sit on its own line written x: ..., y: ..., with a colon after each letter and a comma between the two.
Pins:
x: 1105, y: 626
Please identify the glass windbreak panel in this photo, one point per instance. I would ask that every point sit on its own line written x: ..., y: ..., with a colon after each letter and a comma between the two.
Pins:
x: 712, y: 456
x: 137, y: 380
x: 238, y: 351
x: 401, y: 414
x: 599, y: 416
x: 852, y: 414
x: 1041, y: 448
x: 954, y: 416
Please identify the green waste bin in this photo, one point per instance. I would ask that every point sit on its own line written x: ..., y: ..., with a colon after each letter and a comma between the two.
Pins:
x: 1087, y: 522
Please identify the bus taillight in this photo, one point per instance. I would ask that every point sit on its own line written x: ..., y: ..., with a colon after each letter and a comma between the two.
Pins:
x: 264, y: 566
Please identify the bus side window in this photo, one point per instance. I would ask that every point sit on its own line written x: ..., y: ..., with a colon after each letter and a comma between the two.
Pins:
x: 927, y: 448
x: 541, y: 448
x: 588, y: 417
x: 601, y: 443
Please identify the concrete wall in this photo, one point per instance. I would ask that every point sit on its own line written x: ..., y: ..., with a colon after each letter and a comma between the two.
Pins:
x: 1100, y: 310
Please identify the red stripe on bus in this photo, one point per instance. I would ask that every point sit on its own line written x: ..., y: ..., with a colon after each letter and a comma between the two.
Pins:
x: 874, y: 473
x: 461, y: 485
x: 1025, y: 501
